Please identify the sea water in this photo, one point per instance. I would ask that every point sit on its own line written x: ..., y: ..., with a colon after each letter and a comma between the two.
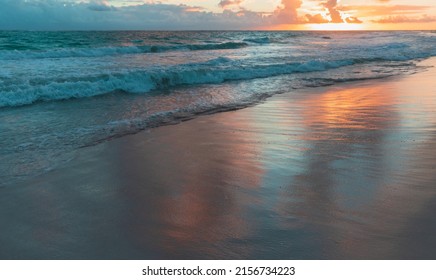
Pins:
x: 60, y: 91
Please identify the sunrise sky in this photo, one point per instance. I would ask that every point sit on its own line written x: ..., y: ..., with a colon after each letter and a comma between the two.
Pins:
x: 218, y: 14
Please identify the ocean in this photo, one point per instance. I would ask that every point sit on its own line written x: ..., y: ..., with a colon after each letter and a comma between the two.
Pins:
x: 60, y: 91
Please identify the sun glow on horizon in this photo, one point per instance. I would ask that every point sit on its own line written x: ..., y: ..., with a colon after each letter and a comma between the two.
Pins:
x: 321, y: 27
x: 336, y: 26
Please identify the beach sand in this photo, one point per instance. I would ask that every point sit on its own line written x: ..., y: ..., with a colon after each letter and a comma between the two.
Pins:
x: 340, y: 172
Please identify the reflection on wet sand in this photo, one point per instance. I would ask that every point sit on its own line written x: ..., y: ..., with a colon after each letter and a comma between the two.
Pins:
x: 345, y: 172
x: 347, y: 130
x: 180, y: 191
x: 360, y: 148
x: 292, y: 178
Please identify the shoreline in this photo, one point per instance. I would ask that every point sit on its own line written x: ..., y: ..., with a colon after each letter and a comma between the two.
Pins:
x: 338, y: 172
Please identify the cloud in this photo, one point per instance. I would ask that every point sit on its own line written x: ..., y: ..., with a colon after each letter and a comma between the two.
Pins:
x: 318, y: 18
x: 159, y: 15
x: 335, y: 14
x: 156, y: 15
x: 406, y: 19
x: 287, y: 12
x: 228, y: 3
x: 100, y: 6
x: 353, y: 20
x: 99, y: 15
x: 333, y: 11
x: 383, y: 10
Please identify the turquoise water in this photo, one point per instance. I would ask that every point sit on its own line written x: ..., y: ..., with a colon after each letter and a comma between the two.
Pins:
x: 47, y: 66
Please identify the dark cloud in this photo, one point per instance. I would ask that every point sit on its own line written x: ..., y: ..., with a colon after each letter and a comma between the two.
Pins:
x: 100, y: 6
x: 100, y: 15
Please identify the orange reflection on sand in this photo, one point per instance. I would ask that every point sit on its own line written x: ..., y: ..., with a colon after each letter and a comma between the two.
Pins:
x: 193, y: 202
x: 338, y: 124
x: 353, y: 107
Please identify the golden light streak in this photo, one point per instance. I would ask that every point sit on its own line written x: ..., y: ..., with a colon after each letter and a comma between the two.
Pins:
x: 335, y: 26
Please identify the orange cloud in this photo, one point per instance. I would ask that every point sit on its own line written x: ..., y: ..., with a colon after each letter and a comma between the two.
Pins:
x: 353, y: 20
x: 406, y: 19
x: 334, y: 13
x: 318, y: 18
x: 287, y: 11
x: 382, y: 10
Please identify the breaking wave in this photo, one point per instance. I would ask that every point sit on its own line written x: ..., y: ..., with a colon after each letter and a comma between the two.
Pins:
x: 212, y: 72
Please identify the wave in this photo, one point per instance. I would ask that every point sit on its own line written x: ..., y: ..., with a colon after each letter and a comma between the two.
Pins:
x: 18, y: 90
x: 110, y: 51
x: 262, y: 40
x: 220, y: 46
x: 212, y: 72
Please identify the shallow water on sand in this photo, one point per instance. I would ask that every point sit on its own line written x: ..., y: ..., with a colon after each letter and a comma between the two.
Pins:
x: 344, y: 172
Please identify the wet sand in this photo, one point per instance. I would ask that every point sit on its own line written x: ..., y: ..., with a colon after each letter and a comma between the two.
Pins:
x: 342, y: 172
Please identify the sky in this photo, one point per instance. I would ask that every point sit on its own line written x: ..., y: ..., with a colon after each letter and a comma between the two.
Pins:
x: 217, y: 14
